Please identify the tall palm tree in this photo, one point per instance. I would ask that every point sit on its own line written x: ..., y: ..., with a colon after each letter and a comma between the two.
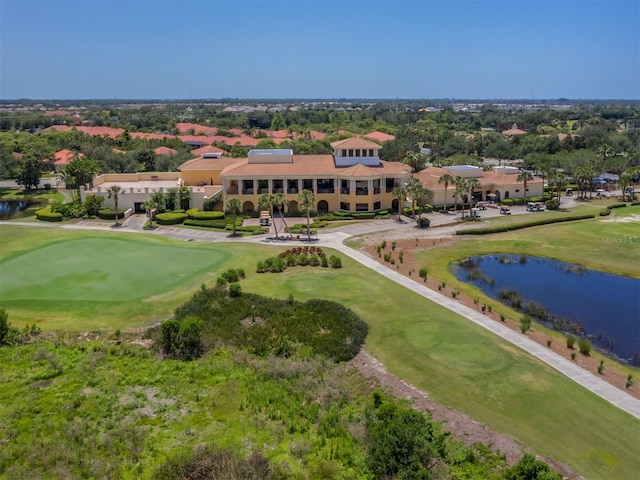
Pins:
x: 557, y: 179
x: 447, y: 179
x: 472, y: 184
x: 584, y: 176
x: 459, y: 192
x: 184, y: 193
x: 265, y: 202
x: 524, y: 177
x: 234, y: 206
x: 113, y: 192
x: 605, y: 151
x: 411, y: 187
x: 421, y: 195
x: 400, y: 193
x: 307, y: 203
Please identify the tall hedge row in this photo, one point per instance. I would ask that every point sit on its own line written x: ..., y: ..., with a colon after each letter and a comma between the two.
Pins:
x: 519, y: 226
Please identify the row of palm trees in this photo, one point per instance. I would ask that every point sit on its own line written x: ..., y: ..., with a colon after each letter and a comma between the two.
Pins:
x: 273, y: 202
x: 417, y: 192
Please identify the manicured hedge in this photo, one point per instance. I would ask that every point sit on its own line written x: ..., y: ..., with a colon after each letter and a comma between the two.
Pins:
x: 171, y: 218
x: 46, y: 215
x: 221, y: 224
x: 507, y: 201
x: 617, y: 205
x: 519, y: 226
x: 195, y: 214
x: 110, y: 214
x: 253, y: 229
x: 635, y: 204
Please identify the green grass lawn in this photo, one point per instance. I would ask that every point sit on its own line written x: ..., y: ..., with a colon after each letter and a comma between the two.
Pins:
x: 458, y: 363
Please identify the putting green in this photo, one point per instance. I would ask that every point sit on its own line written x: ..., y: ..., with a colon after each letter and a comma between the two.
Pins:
x: 102, y: 269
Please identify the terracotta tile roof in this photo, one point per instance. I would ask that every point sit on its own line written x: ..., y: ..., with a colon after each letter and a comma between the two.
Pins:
x: 198, y: 152
x: 380, y: 136
x: 513, y: 131
x: 165, y: 151
x: 184, y: 128
x: 356, y: 142
x: 93, y: 131
x: 317, y: 166
x: 196, y: 139
x: 562, y: 136
x: 63, y: 157
x: 151, y: 136
x: 209, y: 163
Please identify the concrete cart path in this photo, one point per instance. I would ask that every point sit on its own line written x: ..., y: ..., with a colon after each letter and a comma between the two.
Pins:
x: 588, y: 380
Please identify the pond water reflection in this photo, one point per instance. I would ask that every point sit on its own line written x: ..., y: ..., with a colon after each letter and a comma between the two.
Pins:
x: 9, y: 208
x: 606, y: 306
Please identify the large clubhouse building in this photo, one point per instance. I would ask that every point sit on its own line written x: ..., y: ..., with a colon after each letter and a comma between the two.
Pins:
x: 352, y: 179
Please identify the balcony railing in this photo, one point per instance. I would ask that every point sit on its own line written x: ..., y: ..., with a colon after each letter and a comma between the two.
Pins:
x: 362, y: 191
x: 326, y: 190
x: 344, y: 191
x: 247, y: 191
x: 292, y: 190
x: 278, y: 190
x: 232, y: 190
x: 263, y: 190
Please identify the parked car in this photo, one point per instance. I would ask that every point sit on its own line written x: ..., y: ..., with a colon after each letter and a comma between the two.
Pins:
x: 475, y: 213
x: 505, y: 210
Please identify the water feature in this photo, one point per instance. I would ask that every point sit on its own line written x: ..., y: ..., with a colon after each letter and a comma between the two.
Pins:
x: 606, y: 307
x: 9, y: 208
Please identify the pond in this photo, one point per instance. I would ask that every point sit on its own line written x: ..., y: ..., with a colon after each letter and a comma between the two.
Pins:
x: 604, y: 307
x: 9, y: 208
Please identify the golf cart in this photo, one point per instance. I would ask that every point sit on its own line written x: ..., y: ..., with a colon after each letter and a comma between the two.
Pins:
x: 504, y: 210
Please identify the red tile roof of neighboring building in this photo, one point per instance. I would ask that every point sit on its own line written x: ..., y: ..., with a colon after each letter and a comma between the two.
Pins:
x: 208, y: 163
x: 185, y: 128
x: 151, y: 136
x: 198, y: 152
x: 356, y: 142
x: 380, y: 136
x: 165, y: 151
x: 513, y: 131
x: 63, y: 157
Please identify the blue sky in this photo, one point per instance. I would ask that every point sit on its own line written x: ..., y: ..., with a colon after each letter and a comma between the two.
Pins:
x: 319, y: 49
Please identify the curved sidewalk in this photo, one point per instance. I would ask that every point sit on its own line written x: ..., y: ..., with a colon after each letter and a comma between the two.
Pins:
x: 608, y: 392
x: 334, y: 239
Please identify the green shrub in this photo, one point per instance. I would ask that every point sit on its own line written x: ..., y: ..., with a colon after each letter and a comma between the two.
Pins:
x: 617, y: 205
x: 601, y: 367
x: 335, y: 262
x: 552, y: 204
x: 423, y: 274
x: 518, y: 226
x: 424, y: 222
x: 518, y: 201
x: 571, y: 340
x: 605, y: 212
x: 219, y: 224
x: 584, y: 346
x: 195, y: 214
x: 525, y: 323
x: 110, y: 214
x: 507, y: 201
x: 235, y: 290
x: 171, y: 218
x: 46, y: 215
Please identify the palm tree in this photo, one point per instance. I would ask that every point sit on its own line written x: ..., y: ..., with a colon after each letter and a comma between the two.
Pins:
x: 148, y: 207
x: 420, y: 195
x: 472, y: 184
x: 79, y: 171
x: 265, y: 202
x: 459, y: 192
x: 400, y: 193
x: 557, y: 179
x: 584, y: 176
x: 447, y: 179
x: 412, y: 186
x: 184, y: 193
x: 171, y: 197
x: 606, y: 151
x: 234, y: 206
x: 307, y: 202
x: 626, y: 179
x: 114, y: 191
x: 524, y: 177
